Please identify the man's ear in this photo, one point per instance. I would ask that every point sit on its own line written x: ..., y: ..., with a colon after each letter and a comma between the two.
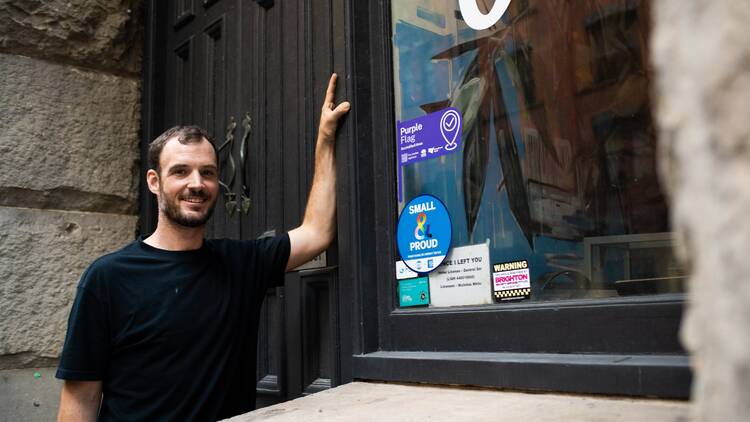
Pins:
x: 152, y: 179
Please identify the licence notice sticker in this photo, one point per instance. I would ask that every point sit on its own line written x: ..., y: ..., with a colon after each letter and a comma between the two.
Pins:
x: 414, y: 292
x: 463, y: 278
x: 511, y: 281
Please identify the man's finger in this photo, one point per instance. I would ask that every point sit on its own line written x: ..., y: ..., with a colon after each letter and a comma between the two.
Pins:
x: 331, y: 92
x: 342, y: 108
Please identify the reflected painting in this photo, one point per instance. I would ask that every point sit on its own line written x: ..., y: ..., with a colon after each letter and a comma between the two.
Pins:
x: 557, y: 158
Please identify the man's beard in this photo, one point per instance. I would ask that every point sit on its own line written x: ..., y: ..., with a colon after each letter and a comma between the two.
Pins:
x: 171, y: 209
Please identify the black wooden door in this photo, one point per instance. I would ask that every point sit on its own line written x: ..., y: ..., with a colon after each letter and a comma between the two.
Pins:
x: 253, y: 73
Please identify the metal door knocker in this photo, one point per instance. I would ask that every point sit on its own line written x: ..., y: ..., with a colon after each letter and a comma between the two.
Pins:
x: 244, y: 192
x: 230, y: 203
x: 230, y: 198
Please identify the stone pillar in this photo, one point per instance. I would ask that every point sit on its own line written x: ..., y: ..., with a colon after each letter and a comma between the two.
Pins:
x: 69, y: 121
x: 701, y: 53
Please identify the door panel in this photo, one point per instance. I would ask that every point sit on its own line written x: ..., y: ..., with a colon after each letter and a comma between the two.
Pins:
x: 319, y: 334
x: 271, y: 386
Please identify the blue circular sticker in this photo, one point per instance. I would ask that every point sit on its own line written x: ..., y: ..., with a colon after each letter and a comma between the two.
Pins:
x: 424, y: 233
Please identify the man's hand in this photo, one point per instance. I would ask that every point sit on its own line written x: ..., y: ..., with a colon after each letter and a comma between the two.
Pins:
x: 79, y: 401
x: 319, y: 225
x: 331, y: 113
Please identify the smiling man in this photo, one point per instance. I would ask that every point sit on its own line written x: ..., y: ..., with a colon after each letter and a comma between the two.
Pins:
x: 165, y: 329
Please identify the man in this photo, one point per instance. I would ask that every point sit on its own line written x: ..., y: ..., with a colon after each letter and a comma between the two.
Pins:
x: 166, y: 328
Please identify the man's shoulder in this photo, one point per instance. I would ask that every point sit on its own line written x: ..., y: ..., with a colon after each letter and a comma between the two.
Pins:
x: 227, y: 248
x: 114, y: 257
x: 106, y: 265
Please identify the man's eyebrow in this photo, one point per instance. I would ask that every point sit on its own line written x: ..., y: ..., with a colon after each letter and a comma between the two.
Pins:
x: 176, y: 167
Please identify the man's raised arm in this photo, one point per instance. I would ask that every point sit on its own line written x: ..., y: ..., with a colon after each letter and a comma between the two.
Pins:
x: 319, y: 224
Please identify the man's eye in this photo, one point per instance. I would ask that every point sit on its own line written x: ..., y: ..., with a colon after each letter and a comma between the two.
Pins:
x: 209, y: 173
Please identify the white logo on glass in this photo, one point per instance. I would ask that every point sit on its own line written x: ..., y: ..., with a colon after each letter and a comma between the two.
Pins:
x: 478, y: 20
x: 450, y: 125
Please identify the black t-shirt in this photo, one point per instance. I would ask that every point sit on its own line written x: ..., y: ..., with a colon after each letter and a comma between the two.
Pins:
x: 172, y: 335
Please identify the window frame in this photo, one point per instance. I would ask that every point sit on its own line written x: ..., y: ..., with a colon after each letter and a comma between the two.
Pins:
x: 528, y: 345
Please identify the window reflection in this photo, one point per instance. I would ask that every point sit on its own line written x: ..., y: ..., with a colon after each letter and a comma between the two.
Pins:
x: 557, y: 163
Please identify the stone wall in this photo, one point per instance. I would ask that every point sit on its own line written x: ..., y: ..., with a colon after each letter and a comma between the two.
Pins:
x: 70, y: 110
x: 701, y: 51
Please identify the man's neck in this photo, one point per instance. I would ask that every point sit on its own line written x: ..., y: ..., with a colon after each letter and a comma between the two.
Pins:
x: 173, y: 237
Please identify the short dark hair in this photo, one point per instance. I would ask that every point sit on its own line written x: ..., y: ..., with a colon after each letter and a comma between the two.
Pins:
x: 185, y: 135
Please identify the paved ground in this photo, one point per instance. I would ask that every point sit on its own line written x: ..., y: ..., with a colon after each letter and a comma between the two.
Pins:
x: 29, y: 395
x: 361, y: 401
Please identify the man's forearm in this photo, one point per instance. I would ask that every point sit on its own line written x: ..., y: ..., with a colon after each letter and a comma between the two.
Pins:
x: 319, y: 223
x: 320, y: 212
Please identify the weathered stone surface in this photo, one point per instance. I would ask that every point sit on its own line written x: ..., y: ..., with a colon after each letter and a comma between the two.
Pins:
x: 43, y: 256
x: 26, y: 360
x: 25, y: 397
x: 65, y: 128
x: 701, y: 51
x: 103, y: 34
x: 64, y: 198
x: 361, y: 401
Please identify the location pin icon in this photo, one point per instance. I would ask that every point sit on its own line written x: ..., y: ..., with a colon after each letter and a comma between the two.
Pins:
x: 450, y: 127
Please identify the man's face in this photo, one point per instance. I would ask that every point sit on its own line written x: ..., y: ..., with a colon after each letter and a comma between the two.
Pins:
x: 188, y: 182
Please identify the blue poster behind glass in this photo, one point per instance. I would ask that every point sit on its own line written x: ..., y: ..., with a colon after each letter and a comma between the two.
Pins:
x: 424, y: 233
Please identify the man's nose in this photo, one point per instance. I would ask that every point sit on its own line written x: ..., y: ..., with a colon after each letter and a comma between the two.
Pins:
x: 195, y: 180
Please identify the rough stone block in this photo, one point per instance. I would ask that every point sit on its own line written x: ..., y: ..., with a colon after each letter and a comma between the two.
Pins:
x: 66, y: 130
x: 701, y: 54
x: 105, y: 34
x: 42, y: 256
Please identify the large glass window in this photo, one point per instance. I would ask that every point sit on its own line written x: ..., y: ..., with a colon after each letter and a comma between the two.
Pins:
x: 553, y: 190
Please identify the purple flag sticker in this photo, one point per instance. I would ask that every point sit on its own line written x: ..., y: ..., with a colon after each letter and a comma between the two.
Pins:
x: 427, y: 137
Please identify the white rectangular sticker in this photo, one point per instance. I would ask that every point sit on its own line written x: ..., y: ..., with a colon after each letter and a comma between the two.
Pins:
x: 403, y: 272
x: 463, y: 278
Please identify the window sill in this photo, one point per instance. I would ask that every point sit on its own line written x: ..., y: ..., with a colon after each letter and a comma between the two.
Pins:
x: 665, y: 376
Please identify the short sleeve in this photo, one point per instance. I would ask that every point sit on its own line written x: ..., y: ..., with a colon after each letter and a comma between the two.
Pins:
x: 272, y: 255
x: 86, y: 351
